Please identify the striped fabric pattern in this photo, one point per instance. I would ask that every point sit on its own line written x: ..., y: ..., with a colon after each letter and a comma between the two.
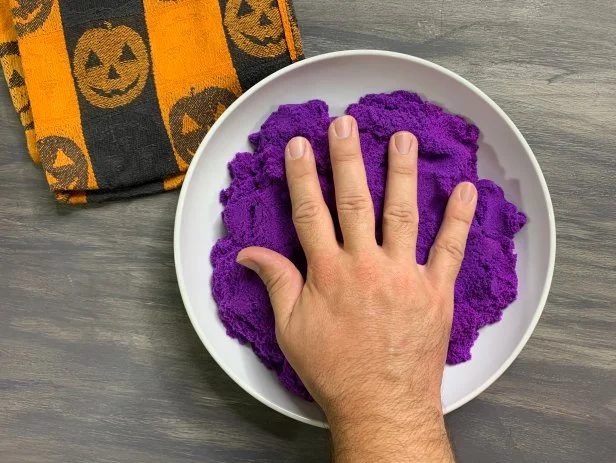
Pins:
x: 115, y: 95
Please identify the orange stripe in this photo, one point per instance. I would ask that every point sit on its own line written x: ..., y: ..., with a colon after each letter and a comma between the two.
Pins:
x: 7, y: 31
x: 189, y: 52
x: 288, y: 31
x: 51, y: 87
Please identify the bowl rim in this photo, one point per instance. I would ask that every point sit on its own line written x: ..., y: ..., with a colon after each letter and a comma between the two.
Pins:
x: 353, y: 53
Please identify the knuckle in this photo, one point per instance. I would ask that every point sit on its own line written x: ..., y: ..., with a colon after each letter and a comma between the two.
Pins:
x: 345, y: 154
x: 437, y: 298
x: 457, y: 217
x: 403, y: 169
x: 306, y: 211
x: 322, y: 275
x: 322, y: 261
x: 400, y: 213
x: 302, y: 175
x: 324, y: 268
x: 354, y: 203
x: 365, y: 270
x: 451, y: 247
x: 276, y: 282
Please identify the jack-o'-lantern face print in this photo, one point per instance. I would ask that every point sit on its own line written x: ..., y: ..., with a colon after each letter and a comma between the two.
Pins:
x: 255, y: 27
x: 29, y: 15
x: 19, y: 95
x: 192, y: 117
x: 111, y: 65
x: 11, y: 63
x: 65, y: 165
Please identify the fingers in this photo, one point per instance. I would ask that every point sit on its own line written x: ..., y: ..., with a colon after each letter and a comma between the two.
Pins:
x: 353, y: 201
x: 311, y: 217
x: 448, y: 249
x: 283, y: 281
x: 400, y: 216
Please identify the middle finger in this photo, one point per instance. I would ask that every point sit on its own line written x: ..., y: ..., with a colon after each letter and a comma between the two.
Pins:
x: 353, y: 201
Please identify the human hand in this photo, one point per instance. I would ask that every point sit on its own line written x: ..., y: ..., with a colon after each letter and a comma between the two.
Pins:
x: 368, y: 330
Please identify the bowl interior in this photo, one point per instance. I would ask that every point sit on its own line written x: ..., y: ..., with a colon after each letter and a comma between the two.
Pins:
x: 340, y: 79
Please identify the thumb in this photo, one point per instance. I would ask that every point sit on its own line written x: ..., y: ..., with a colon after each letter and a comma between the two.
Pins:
x: 283, y: 281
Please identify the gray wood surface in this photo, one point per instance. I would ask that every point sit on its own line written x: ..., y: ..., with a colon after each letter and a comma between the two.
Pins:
x: 99, y: 363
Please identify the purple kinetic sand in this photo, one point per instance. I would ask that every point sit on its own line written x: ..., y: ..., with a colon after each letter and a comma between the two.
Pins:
x: 258, y: 213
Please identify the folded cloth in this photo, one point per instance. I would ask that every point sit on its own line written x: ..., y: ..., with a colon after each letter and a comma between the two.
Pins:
x: 123, y: 91
x: 14, y: 75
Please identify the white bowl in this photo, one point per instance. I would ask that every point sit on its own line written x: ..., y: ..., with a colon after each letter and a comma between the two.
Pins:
x: 340, y: 79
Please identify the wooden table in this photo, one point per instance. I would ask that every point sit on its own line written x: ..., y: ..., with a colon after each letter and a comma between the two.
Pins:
x: 99, y: 363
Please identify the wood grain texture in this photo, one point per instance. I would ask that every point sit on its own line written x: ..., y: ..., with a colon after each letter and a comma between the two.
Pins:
x: 99, y: 363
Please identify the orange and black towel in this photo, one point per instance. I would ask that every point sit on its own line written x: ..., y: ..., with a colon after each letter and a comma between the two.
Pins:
x: 14, y: 74
x: 116, y: 95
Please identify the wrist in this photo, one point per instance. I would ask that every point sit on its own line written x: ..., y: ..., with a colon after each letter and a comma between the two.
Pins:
x: 402, y: 432
x: 398, y: 405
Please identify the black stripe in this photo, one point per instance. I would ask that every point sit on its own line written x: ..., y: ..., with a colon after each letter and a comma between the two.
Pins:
x: 251, y: 69
x: 128, y: 144
x: 99, y: 196
x: 9, y: 48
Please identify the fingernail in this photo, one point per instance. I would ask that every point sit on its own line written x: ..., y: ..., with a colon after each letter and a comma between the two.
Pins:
x: 467, y: 193
x: 296, y: 147
x: 343, y: 126
x: 403, y: 142
x: 252, y: 265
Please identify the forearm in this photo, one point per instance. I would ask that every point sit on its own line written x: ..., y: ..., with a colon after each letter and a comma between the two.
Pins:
x: 397, y: 436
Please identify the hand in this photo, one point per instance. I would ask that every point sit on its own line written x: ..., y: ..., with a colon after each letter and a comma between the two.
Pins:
x: 368, y: 330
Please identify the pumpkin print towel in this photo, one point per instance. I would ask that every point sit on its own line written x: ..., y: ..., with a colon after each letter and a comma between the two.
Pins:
x: 116, y: 95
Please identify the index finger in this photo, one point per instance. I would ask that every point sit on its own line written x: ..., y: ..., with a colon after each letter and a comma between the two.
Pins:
x: 311, y: 217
